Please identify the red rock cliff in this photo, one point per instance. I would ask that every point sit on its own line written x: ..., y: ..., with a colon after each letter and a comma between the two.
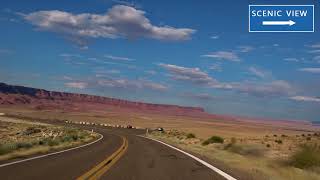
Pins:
x: 17, y: 95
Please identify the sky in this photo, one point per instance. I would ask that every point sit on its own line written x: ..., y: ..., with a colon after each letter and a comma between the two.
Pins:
x: 170, y: 52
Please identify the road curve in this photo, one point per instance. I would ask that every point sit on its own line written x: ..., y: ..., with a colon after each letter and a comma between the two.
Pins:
x: 143, y: 159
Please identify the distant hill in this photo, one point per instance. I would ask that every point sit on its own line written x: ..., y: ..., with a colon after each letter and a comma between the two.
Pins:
x: 43, y: 99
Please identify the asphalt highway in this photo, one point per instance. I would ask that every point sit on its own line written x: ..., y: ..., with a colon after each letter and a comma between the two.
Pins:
x: 140, y: 159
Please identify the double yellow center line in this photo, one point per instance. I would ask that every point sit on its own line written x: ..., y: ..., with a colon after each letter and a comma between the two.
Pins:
x: 97, y: 171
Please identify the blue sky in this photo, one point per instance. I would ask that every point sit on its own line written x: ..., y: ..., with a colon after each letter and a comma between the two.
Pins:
x: 181, y: 52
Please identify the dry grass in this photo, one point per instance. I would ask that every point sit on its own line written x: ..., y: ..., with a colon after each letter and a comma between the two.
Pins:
x: 202, y: 127
x: 255, y: 159
x: 21, y: 138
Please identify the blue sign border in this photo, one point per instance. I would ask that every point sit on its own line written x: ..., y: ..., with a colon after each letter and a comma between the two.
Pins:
x: 281, y: 5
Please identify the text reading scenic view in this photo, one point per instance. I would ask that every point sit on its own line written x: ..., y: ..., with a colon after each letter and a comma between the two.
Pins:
x: 160, y: 90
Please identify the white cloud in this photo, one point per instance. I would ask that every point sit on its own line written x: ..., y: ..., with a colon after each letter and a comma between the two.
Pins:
x: 223, y: 55
x: 104, y: 72
x: 215, y: 37
x: 305, y: 98
x: 215, y: 67
x: 151, y: 72
x: 310, y: 70
x: 316, y: 58
x: 314, y: 51
x: 67, y: 78
x: 118, y: 58
x: 119, y: 21
x: 66, y: 55
x: 76, y: 85
x: 127, y: 3
x: 273, y: 88
x: 315, y: 46
x: 130, y: 84
x: 259, y: 72
x: 245, y: 49
x: 193, y: 75
x: 291, y: 59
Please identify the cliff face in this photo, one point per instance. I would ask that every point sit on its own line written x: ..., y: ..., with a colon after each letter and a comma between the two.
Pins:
x: 42, y: 99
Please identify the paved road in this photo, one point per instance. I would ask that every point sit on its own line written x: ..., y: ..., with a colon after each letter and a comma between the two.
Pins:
x: 144, y: 159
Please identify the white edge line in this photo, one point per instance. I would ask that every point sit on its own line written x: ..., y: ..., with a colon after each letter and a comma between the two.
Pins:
x: 225, y: 175
x: 50, y: 154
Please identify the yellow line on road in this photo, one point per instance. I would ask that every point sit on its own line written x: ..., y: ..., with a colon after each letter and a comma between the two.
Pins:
x: 97, y: 171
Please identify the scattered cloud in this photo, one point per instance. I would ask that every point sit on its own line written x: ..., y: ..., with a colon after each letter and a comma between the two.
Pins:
x: 315, y: 51
x: 151, y: 72
x: 274, y: 88
x: 305, y: 98
x: 266, y: 89
x: 131, y: 84
x: 259, y: 72
x: 118, y: 22
x: 127, y: 3
x: 123, y: 62
x: 316, y: 46
x: 201, y: 96
x: 223, y: 55
x: 103, y: 72
x: 291, y: 59
x: 245, y: 49
x: 76, y: 85
x: 66, y: 55
x: 216, y: 67
x: 316, y: 58
x: 67, y: 78
x: 192, y: 75
x: 310, y: 70
x: 215, y: 37
x: 119, y: 58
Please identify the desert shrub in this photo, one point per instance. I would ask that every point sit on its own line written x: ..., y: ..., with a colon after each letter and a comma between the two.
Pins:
x: 23, y: 145
x: 307, y: 157
x: 283, y: 135
x: 275, y: 135
x: 49, y: 141
x: 302, y: 135
x: 74, y: 137
x: 7, y: 148
x: 190, y: 135
x: 53, y: 142
x: 308, y: 138
x: 67, y: 139
x: 213, y: 139
x: 278, y: 141
x: 31, y: 130
x: 250, y: 150
x: 268, y: 145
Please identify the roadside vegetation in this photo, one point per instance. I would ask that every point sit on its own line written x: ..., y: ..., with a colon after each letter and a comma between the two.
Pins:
x: 308, y: 157
x: 213, y: 139
x: 273, y: 156
x: 19, y: 138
